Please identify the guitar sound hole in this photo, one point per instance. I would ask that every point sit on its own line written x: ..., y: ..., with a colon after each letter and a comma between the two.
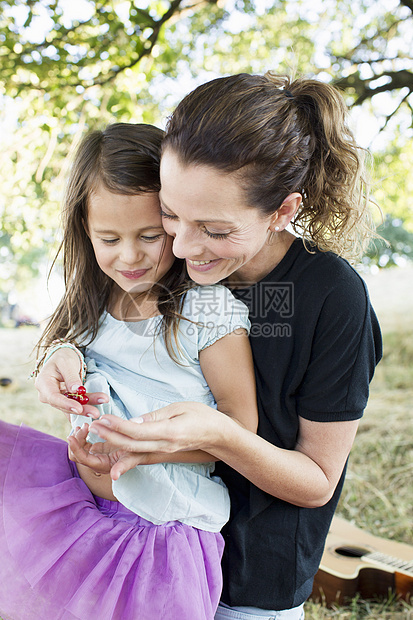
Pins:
x: 351, y: 552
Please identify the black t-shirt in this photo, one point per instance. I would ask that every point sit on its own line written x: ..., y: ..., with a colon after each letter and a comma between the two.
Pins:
x: 315, y: 341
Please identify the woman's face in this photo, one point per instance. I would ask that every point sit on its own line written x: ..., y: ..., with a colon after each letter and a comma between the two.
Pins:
x: 205, y: 210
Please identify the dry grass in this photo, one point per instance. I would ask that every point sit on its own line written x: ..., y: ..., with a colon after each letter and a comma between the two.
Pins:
x: 358, y: 609
x: 378, y: 492
x: 19, y: 402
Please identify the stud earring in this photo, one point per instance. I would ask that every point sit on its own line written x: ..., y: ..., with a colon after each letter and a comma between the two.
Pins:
x: 277, y: 228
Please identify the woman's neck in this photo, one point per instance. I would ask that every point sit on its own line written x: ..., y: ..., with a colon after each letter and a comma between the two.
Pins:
x: 262, y: 263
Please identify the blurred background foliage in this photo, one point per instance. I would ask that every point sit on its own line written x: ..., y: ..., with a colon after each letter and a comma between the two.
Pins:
x: 67, y: 66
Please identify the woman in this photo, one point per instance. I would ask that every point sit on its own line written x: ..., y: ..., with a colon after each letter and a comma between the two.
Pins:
x: 243, y: 158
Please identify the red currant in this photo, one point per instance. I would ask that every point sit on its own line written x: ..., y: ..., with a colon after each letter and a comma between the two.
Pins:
x: 79, y: 396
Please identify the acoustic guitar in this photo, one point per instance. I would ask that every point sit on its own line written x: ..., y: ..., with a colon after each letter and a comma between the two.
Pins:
x: 355, y: 561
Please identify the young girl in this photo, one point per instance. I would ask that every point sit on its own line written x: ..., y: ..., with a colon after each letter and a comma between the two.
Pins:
x: 74, y: 543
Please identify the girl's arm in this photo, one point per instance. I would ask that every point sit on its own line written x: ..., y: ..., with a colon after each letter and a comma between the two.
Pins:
x: 228, y: 368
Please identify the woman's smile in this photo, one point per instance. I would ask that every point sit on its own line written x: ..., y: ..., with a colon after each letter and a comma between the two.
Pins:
x: 202, y: 265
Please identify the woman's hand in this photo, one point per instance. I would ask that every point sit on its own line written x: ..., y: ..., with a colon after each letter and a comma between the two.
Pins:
x: 177, y: 427
x: 181, y: 432
x: 60, y: 374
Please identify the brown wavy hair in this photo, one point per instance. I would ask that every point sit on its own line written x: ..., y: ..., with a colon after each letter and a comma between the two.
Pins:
x: 125, y: 159
x: 282, y: 136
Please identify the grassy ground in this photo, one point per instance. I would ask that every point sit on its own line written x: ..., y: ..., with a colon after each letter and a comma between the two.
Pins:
x: 378, y: 492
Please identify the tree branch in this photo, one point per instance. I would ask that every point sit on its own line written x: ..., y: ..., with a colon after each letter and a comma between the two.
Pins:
x: 367, y: 40
x: 398, y: 79
x: 403, y: 100
x: 60, y: 38
x: 146, y: 51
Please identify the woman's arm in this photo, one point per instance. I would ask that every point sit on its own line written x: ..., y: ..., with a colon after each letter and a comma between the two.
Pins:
x: 305, y: 476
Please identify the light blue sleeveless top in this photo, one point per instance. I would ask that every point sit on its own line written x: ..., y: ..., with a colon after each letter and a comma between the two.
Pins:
x: 129, y: 362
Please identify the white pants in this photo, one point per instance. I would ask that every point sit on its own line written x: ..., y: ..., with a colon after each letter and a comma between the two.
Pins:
x: 253, y: 613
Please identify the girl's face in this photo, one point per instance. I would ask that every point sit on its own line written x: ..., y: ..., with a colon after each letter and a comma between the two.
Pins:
x: 130, y: 244
x: 205, y: 211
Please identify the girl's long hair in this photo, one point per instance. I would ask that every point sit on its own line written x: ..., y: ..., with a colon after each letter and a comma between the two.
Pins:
x: 281, y: 136
x: 124, y: 158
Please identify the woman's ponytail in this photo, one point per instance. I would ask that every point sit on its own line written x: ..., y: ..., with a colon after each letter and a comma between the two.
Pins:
x: 335, y: 210
x: 281, y: 136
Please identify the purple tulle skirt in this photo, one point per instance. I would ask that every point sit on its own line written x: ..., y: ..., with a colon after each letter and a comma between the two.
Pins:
x: 66, y: 554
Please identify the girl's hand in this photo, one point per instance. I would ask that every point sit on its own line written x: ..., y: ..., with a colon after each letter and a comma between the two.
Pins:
x: 79, y: 452
x: 60, y: 374
x: 100, y: 458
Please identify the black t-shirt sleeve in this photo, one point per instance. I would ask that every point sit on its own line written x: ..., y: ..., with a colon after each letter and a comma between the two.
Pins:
x: 345, y: 350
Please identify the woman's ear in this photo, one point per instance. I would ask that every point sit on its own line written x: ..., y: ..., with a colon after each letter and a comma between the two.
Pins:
x: 283, y: 216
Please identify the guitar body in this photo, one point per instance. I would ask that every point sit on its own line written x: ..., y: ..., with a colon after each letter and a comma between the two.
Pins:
x: 355, y: 561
